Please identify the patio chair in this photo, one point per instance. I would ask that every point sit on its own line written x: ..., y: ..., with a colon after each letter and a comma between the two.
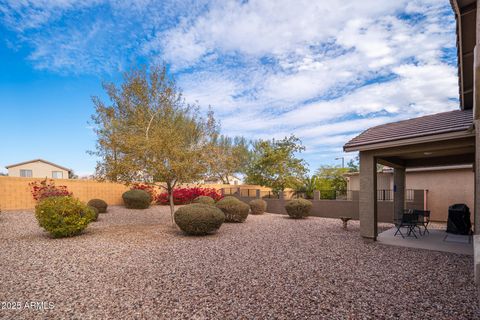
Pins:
x: 423, y: 220
x: 408, y: 220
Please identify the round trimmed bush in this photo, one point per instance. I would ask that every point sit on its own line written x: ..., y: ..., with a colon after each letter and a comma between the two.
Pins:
x: 99, y: 204
x: 95, y: 211
x: 229, y: 198
x: 258, y: 206
x: 204, y: 200
x: 137, y: 199
x: 63, y: 216
x: 199, y: 219
x: 298, y: 208
x: 234, y: 209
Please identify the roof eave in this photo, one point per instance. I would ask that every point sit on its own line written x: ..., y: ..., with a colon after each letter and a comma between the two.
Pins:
x: 409, y: 141
x: 36, y: 160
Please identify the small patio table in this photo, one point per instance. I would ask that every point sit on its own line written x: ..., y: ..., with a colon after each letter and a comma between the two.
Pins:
x: 410, y: 220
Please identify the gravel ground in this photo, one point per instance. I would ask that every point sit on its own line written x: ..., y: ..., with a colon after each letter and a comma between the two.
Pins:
x: 133, y: 264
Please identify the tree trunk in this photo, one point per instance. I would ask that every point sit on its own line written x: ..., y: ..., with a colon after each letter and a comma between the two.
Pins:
x: 172, y: 206
x: 170, y: 188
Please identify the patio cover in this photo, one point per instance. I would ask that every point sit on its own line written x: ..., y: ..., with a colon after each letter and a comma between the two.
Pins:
x: 441, y: 139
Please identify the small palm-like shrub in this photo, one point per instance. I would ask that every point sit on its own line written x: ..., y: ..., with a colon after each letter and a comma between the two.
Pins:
x: 258, y: 206
x: 298, y: 208
x: 234, y: 209
x: 95, y: 211
x: 99, y: 204
x: 199, y: 219
x: 63, y: 216
x: 204, y: 200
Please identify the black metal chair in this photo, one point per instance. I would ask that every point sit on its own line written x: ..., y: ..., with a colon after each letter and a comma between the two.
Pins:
x: 408, y: 220
x: 423, y: 220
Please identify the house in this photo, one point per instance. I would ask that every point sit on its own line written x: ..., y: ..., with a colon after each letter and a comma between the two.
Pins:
x: 442, y: 139
x: 38, y: 168
x: 444, y: 186
x: 233, y: 180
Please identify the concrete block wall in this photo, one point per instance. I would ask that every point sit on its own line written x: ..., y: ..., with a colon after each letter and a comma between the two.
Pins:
x: 338, y: 208
x: 15, y: 192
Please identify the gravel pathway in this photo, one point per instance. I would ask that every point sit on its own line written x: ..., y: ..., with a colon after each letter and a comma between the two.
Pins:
x: 132, y: 264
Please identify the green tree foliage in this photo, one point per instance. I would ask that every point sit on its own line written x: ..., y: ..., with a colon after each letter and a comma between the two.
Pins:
x: 149, y: 134
x: 273, y: 163
x: 331, y: 178
x: 72, y: 175
x: 352, y: 165
x: 229, y: 156
x: 307, y: 186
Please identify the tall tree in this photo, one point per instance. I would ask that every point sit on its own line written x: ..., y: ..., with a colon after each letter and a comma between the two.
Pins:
x: 331, y: 178
x: 352, y: 165
x: 275, y: 164
x: 149, y: 134
x: 229, y: 156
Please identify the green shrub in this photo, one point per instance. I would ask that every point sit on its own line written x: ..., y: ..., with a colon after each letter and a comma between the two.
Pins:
x: 204, y: 200
x: 136, y: 199
x: 95, y: 211
x: 258, y: 206
x: 298, y: 208
x: 234, y: 209
x: 63, y: 216
x: 229, y: 198
x: 199, y: 219
x: 99, y: 204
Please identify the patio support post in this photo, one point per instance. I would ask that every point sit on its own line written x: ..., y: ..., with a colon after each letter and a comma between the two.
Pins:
x: 476, y: 122
x: 368, y: 196
x: 398, y: 192
x: 476, y: 204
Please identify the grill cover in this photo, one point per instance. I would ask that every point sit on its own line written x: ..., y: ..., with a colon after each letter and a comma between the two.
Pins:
x: 459, y: 219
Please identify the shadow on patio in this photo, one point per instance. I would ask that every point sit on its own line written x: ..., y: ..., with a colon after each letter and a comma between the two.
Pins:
x: 437, y: 240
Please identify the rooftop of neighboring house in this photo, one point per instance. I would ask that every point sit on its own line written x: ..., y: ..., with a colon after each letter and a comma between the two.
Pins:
x: 38, y: 160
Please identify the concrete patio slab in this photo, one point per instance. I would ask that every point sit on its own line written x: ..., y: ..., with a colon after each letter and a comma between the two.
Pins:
x: 437, y: 240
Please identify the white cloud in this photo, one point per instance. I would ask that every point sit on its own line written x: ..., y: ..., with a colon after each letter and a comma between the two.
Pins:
x: 323, y: 70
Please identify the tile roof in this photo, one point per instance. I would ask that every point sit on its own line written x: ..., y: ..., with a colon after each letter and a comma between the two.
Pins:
x: 452, y: 121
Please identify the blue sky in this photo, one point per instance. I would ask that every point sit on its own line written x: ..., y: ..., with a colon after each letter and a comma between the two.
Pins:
x: 323, y: 70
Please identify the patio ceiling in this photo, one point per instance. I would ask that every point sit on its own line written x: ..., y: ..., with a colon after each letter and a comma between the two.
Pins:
x: 438, y: 153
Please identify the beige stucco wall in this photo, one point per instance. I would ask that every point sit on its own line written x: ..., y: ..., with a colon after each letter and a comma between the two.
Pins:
x: 39, y: 170
x: 384, y: 182
x: 445, y: 187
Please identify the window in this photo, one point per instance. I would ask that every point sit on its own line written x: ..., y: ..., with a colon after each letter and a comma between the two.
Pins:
x: 57, y: 174
x: 25, y: 173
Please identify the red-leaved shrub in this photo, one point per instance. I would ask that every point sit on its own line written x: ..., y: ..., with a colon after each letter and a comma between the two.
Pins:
x: 186, y: 195
x: 145, y: 187
x: 47, y: 188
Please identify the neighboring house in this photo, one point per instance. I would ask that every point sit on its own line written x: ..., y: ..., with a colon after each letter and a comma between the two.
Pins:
x: 38, y: 168
x: 213, y: 180
x: 444, y: 186
x: 442, y: 139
